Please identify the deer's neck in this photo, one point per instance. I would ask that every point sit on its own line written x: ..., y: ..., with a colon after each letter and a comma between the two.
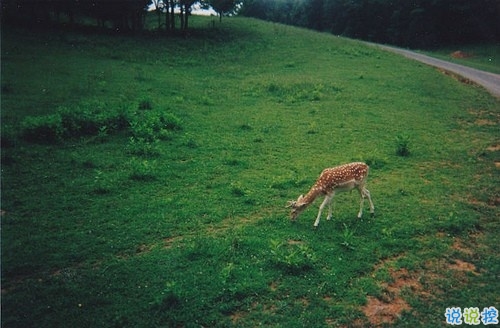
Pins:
x: 312, y: 195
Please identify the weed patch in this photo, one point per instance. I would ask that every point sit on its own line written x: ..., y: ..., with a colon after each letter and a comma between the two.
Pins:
x: 293, y: 257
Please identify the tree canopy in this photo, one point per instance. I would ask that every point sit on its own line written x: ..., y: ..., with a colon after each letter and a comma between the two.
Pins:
x: 121, y: 15
x: 415, y: 24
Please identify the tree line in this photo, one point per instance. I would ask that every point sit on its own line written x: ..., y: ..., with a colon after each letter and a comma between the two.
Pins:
x: 415, y: 24
x: 121, y: 15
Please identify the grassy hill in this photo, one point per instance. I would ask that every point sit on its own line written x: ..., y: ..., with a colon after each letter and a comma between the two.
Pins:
x: 144, y: 182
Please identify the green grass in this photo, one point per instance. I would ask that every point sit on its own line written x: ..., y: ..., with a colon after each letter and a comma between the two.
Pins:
x: 485, y: 57
x: 179, y: 219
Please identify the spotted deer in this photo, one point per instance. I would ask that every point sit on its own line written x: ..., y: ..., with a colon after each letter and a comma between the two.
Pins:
x: 332, y: 180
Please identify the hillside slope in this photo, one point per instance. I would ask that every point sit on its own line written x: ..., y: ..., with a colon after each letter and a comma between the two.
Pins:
x: 144, y: 181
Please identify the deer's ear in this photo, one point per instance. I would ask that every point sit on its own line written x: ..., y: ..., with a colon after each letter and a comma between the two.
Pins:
x: 300, y: 198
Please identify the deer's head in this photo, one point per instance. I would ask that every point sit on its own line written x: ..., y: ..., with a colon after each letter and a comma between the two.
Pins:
x: 297, y: 206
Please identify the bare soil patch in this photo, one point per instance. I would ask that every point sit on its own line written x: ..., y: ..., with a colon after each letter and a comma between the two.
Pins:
x: 388, y: 307
x: 457, y: 77
x: 460, y: 54
x: 463, y: 266
x: 494, y: 148
x: 484, y: 122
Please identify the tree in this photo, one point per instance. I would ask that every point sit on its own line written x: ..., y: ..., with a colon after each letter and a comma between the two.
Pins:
x: 185, y: 6
x: 416, y: 23
x: 223, y: 7
x: 123, y: 14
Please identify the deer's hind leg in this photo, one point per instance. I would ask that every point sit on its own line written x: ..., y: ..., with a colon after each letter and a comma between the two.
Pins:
x: 363, y: 192
x: 372, y: 207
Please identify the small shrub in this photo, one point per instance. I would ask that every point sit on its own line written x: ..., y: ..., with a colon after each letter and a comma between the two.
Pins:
x: 232, y: 162
x: 142, y: 171
x: 151, y: 126
x: 237, y: 190
x: 246, y: 127
x: 144, y: 147
x: 103, y: 184
x: 347, y: 237
x: 403, y: 145
x: 375, y: 162
x: 312, y: 128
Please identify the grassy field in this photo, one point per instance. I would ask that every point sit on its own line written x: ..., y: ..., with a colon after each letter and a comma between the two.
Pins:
x: 144, y: 182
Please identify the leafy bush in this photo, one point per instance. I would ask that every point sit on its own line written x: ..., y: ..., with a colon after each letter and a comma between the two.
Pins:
x: 94, y: 118
x: 151, y: 126
x: 90, y: 118
x: 86, y: 119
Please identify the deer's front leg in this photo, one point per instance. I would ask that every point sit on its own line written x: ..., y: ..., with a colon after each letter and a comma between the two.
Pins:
x: 330, y: 208
x: 326, y: 201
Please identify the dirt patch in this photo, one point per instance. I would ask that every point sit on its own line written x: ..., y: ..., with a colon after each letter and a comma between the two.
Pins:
x: 494, y: 148
x: 387, y: 308
x: 463, y: 266
x: 236, y: 316
x: 379, y: 312
x: 458, y: 245
x: 460, y: 54
x: 457, y: 77
x: 273, y: 286
x: 256, y: 306
x: 484, y: 122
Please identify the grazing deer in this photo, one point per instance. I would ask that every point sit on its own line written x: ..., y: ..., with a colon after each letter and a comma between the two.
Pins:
x: 337, y: 179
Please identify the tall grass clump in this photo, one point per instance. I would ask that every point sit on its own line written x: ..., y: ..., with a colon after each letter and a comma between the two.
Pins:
x: 402, y: 145
x: 293, y: 257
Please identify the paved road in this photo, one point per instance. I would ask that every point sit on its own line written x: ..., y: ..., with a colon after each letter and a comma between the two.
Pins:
x: 489, y: 81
